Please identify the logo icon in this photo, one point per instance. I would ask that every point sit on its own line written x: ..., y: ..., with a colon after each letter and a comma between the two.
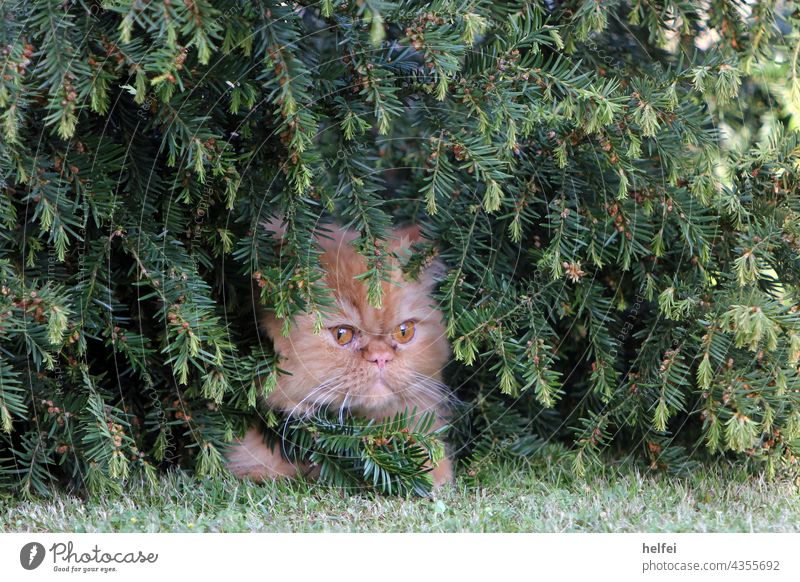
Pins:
x: 31, y: 555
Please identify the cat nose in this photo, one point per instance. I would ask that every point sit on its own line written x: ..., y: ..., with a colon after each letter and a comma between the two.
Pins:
x: 378, y: 355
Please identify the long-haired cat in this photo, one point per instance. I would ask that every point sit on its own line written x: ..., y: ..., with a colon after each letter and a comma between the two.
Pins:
x: 371, y: 362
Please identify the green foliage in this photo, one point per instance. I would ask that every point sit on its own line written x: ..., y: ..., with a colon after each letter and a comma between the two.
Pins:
x: 613, y: 188
x: 391, y: 457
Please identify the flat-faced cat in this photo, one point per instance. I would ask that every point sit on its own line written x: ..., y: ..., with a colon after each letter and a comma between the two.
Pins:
x: 372, y: 362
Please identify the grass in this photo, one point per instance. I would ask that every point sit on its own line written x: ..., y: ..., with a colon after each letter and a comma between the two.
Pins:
x: 536, y: 496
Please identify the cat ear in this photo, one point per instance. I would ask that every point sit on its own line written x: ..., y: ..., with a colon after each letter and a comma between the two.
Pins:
x: 405, y: 237
x: 408, y: 235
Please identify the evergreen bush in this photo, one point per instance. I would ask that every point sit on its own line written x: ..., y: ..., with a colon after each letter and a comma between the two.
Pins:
x: 612, y: 185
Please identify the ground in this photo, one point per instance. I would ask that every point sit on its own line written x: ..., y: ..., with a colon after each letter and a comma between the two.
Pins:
x: 538, y: 496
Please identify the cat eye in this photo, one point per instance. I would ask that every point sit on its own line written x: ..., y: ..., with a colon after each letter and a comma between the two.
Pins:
x: 342, y: 334
x: 404, y: 332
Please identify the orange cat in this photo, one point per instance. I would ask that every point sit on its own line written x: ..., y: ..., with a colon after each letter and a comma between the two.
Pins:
x: 372, y: 362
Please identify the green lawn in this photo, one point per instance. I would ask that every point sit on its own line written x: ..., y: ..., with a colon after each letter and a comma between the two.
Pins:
x: 538, y: 496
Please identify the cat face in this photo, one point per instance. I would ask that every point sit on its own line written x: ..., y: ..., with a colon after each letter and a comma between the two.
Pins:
x: 372, y: 361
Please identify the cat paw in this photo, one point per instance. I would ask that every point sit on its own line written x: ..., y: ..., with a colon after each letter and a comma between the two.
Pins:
x: 442, y: 473
x: 251, y: 458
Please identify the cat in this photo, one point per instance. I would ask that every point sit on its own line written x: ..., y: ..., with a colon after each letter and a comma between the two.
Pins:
x: 373, y: 362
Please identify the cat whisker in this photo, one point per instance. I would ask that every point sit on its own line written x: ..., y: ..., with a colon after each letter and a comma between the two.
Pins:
x: 315, y: 392
x: 424, y: 387
x: 322, y: 389
x: 419, y: 406
x: 435, y: 387
x: 343, y: 406
x: 325, y: 398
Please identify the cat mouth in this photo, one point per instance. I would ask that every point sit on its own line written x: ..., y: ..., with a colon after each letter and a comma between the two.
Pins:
x: 380, y: 389
x: 379, y: 395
